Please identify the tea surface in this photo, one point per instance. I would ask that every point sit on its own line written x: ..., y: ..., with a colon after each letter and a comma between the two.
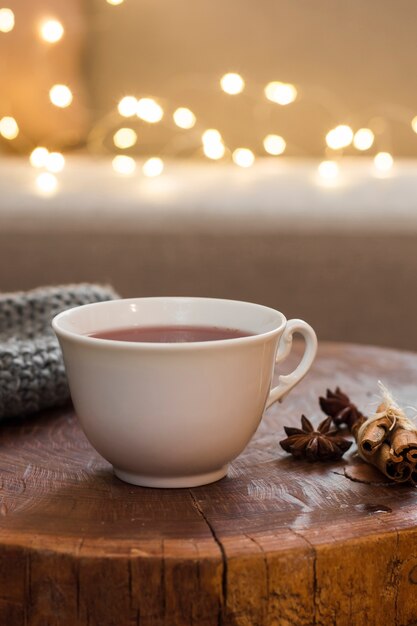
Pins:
x: 170, y: 334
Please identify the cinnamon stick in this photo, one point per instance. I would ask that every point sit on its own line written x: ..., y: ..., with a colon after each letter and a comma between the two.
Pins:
x: 404, y: 444
x: 374, y: 433
x: 400, y: 472
x: 388, y: 440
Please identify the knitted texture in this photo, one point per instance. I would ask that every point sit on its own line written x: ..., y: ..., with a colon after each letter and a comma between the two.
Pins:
x: 32, y: 374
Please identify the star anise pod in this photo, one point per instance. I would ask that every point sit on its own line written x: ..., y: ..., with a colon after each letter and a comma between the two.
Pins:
x: 322, y: 444
x: 338, y: 405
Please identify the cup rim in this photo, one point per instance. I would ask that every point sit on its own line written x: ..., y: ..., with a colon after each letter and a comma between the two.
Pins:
x: 87, y: 340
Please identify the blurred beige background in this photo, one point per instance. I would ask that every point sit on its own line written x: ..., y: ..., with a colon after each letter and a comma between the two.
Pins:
x: 340, y: 253
x: 353, y: 61
x: 29, y: 68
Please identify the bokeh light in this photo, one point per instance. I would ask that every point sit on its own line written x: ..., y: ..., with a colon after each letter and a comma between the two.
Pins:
x: 153, y: 167
x: 9, y: 128
x: 124, y: 165
x: 38, y: 156
x: 6, y: 20
x: 213, y: 146
x: 328, y: 170
x: 125, y: 138
x: 211, y: 136
x: 383, y: 162
x: 55, y: 162
x: 232, y: 83
x: 60, y: 96
x: 339, y: 137
x: 281, y: 93
x: 127, y: 106
x: 214, y: 151
x: 47, y: 183
x: 51, y: 30
x: 274, y: 144
x: 184, y: 118
x: 363, y: 139
x: 149, y: 110
x: 243, y: 157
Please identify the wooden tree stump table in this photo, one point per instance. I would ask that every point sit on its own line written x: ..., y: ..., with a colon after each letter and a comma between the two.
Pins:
x: 277, y: 542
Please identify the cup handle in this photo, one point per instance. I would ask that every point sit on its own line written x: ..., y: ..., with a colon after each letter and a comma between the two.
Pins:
x: 287, y: 382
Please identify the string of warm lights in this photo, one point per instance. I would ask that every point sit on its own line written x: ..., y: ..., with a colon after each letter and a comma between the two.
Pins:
x: 149, y: 110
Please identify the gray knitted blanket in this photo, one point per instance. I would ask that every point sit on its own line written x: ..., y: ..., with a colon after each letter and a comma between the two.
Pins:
x: 32, y: 374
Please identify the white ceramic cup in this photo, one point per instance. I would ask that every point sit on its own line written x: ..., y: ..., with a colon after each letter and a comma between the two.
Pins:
x: 175, y: 414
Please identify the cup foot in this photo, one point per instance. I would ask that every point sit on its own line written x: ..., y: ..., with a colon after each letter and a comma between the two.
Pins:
x: 171, y: 482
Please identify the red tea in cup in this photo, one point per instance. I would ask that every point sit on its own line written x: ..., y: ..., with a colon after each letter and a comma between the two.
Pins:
x: 170, y: 334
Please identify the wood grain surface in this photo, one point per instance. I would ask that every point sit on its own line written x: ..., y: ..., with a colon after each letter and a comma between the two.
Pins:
x: 277, y: 542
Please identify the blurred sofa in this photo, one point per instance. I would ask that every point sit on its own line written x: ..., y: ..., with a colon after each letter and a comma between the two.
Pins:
x: 341, y: 254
